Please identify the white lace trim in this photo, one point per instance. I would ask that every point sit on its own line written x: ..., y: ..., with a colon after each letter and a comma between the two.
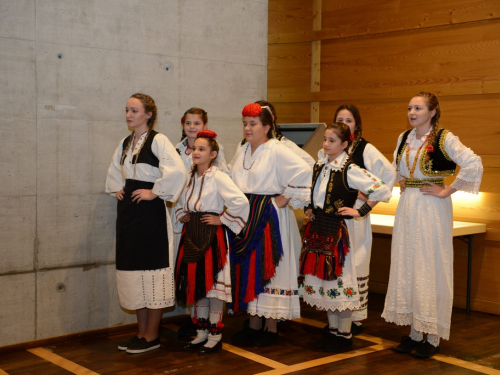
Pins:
x: 467, y: 186
x: 406, y: 319
x: 332, y: 306
x: 231, y: 224
x: 300, y: 197
x: 290, y: 316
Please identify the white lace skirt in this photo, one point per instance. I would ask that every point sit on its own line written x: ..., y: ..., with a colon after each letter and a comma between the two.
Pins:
x: 420, y: 291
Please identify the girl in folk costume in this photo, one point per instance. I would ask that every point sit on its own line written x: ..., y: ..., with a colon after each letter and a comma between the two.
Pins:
x: 193, y: 121
x: 366, y: 156
x: 420, y: 291
x: 145, y: 171
x: 327, y: 259
x: 263, y: 262
x: 202, y: 268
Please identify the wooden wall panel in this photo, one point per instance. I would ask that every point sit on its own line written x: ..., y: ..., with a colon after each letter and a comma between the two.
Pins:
x: 377, y: 54
x: 293, y: 112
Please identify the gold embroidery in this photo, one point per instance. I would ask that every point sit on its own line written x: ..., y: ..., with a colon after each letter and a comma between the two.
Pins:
x: 339, y: 204
x: 329, y: 209
x: 441, y: 144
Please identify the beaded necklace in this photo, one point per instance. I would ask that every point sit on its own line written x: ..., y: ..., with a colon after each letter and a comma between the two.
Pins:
x: 412, y: 169
x: 188, y: 147
x: 245, y: 158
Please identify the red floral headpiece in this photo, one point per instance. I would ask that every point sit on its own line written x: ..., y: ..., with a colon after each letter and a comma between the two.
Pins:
x: 251, y: 110
x: 429, y: 148
x: 182, y: 120
x: 206, y: 134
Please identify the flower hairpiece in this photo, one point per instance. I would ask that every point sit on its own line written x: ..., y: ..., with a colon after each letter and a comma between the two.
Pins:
x: 251, y: 110
x: 207, y: 134
x: 429, y: 148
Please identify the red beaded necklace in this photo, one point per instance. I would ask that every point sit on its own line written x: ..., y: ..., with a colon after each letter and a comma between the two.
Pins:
x: 412, y: 169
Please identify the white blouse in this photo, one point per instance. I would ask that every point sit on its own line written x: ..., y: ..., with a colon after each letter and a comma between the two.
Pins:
x: 273, y: 169
x: 210, y: 193
x: 471, y: 168
x: 168, y: 178
x: 357, y: 178
x: 220, y: 161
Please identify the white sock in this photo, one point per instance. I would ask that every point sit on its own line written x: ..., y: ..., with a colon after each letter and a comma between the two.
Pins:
x: 415, y: 335
x: 333, y: 321
x: 201, y: 335
x: 433, y: 340
x: 201, y: 312
x: 216, y: 311
x: 213, y: 340
x: 345, y: 321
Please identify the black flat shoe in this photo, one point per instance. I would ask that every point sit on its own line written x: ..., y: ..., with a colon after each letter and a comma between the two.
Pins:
x: 142, y: 345
x: 190, y: 347
x: 266, y: 338
x: 125, y: 344
x: 408, y: 345
x: 426, y: 350
x: 247, y: 334
x: 214, y: 349
x: 356, y: 329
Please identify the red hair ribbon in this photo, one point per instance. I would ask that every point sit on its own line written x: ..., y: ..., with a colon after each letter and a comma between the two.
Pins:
x: 251, y: 110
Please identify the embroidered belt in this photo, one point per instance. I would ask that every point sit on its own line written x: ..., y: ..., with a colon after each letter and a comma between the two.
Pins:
x: 418, y: 182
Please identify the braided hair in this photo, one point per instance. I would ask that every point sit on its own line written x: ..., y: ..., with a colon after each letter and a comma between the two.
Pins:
x: 432, y: 104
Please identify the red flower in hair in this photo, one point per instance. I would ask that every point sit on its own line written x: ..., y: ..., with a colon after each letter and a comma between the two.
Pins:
x: 182, y: 120
x: 251, y: 110
x: 351, y: 137
x: 206, y: 134
x: 429, y: 148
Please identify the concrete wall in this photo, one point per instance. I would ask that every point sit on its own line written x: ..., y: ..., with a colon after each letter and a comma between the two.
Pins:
x: 67, y: 69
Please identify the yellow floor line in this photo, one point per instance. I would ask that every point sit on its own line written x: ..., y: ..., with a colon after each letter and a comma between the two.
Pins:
x: 61, y: 362
x: 325, y: 360
x: 2, y: 372
x: 252, y: 356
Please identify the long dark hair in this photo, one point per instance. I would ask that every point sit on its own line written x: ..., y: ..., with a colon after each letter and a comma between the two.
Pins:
x: 358, y: 128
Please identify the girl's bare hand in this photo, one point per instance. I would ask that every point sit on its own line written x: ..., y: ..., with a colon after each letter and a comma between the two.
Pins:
x: 143, y: 195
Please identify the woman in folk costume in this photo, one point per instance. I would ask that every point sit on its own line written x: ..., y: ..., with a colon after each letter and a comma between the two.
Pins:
x: 193, y: 121
x: 366, y: 156
x: 263, y: 262
x: 327, y: 259
x: 202, y: 268
x: 420, y: 291
x: 145, y: 171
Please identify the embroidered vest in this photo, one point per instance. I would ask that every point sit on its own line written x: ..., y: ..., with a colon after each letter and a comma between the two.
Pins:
x: 338, y: 193
x: 146, y: 155
x: 439, y: 164
x: 357, y: 155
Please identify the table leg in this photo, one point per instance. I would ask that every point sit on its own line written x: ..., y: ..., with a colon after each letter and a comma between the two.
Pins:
x: 469, y: 271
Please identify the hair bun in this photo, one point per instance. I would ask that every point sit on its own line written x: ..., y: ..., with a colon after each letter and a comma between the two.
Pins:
x: 251, y: 110
x: 206, y: 134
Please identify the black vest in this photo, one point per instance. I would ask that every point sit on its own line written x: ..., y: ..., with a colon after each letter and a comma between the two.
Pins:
x: 439, y: 163
x: 337, y: 188
x: 357, y: 154
x: 146, y: 155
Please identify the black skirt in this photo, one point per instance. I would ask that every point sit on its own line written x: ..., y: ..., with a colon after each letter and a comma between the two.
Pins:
x: 141, y: 231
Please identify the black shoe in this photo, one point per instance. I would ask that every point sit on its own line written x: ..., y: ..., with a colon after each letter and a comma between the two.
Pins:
x: 188, y: 329
x: 356, y: 329
x: 141, y: 345
x: 247, y: 334
x: 214, y: 349
x: 266, y: 338
x: 326, y: 328
x: 408, y: 345
x: 125, y: 344
x: 426, y: 350
x: 339, y: 344
x: 327, y: 339
x: 189, y: 346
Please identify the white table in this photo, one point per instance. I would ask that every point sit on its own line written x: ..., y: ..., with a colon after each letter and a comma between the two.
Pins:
x: 384, y: 224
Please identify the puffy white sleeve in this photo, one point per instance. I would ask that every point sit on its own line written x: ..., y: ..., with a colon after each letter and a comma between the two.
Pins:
x: 471, y: 166
x: 114, y: 180
x: 368, y: 183
x: 179, y: 212
x: 399, y: 177
x: 233, y: 160
x: 295, y: 175
x: 237, y: 209
x: 173, y: 173
x: 377, y: 163
x: 299, y: 151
